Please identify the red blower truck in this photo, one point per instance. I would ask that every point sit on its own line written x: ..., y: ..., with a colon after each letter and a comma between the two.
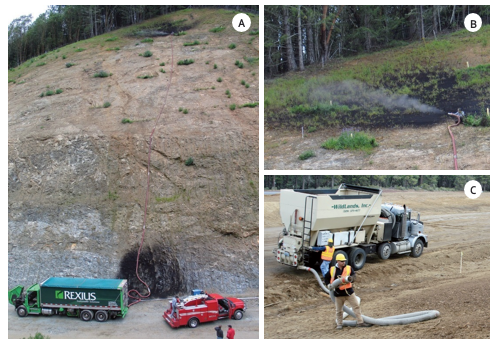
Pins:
x: 200, y: 307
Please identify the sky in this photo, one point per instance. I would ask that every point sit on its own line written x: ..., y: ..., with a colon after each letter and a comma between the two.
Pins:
x: 23, y: 9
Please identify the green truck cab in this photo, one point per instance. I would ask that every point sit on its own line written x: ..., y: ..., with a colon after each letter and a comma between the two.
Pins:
x: 77, y: 297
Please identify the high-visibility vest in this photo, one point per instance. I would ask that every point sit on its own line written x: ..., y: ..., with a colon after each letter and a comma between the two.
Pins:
x: 345, y: 272
x: 328, y: 253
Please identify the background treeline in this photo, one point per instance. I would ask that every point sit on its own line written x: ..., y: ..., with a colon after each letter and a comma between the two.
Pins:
x: 61, y: 25
x: 456, y: 182
x: 296, y: 36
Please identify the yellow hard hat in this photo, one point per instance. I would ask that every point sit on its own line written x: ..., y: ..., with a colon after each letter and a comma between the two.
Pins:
x: 340, y: 257
x: 330, y: 240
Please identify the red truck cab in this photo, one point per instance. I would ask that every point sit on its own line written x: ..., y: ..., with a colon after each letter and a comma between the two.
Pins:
x: 196, y: 309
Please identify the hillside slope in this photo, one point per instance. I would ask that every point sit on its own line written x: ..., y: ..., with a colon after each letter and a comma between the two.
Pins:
x: 401, y: 96
x: 78, y: 170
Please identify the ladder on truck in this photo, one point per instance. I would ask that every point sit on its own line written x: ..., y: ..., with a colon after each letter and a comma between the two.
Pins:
x: 309, y: 203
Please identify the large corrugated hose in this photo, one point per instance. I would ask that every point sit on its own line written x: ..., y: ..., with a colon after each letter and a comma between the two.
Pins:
x: 402, y: 319
x: 453, y: 138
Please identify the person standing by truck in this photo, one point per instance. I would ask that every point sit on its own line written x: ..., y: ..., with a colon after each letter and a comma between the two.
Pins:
x: 344, y: 292
x: 327, y: 255
x: 230, y: 332
x: 219, y: 332
x: 175, y: 303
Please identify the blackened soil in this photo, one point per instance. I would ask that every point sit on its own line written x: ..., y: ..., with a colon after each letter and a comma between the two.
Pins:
x: 158, y: 266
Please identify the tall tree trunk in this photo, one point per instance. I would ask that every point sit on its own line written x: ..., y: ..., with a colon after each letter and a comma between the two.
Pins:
x: 453, y: 14
x: 291, y: 60
x: 300, y: 39
x: 310, y: 50
x: 422, y: 22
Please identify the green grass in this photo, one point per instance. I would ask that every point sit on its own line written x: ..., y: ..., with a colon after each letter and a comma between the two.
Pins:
x: 185, y: 62
x: 112, y: 39
x: 217, y: 29
x: 232, y: 46
x: 233, y: 107
x: 188, y: 44
x: 352, y: 141
x: 102, y: 74
x: 219, y: 79
x: 147, y: 40
x: 148, y: 53
x: 189, y: 162
x: 146, y: 76
x: 306, y: 155
x: 181, y: 33
x: 126, y: 121
x: 106, y: 105
x: 250, y: 105
x: 69, y: 65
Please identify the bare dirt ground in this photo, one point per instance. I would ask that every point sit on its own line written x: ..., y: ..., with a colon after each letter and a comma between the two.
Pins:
x: 420, y: 148
x: 296, y: 307
x: 144, y: 320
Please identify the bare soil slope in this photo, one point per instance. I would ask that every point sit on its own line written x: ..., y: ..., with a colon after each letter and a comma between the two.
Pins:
x: 78, y: 174
x: 296, y: 307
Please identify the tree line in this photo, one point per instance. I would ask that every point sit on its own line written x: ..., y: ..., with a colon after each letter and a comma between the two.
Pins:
x: 455, y: 182
x: 61, y: 25
x: 297, y: 36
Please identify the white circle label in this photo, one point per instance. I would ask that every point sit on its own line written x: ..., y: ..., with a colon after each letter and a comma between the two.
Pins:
x: 473, y: 22
x: 241, y: 22
x: 473, y: 189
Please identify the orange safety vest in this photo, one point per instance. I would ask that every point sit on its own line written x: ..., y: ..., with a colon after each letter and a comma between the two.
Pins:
x: 328, y: 253
x: 345, y: 272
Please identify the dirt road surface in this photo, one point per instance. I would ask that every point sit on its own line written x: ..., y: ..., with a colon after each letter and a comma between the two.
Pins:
x: 144, y: 320
x: 296, y: 307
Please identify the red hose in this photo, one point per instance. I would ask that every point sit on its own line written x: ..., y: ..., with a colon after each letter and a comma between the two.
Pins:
x: 138, y: 298
x: 453, y: 139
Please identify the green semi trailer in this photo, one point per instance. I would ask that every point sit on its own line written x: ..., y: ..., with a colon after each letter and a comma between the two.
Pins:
x: 76, y: 297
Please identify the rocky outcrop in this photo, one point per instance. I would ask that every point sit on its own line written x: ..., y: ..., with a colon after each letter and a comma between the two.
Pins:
x: 78, y: 181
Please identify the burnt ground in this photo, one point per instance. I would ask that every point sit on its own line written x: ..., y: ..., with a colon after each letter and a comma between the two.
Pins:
x: 296, y: 307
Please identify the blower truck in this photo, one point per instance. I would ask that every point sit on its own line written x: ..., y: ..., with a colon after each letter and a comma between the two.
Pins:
x: 353, y: 217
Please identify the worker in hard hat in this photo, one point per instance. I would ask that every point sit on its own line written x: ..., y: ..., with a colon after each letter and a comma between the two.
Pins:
x: 344, y: 292
x: 327, y: 255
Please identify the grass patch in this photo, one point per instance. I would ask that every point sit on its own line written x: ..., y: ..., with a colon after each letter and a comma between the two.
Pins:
x: 219, y: 79
x: 232, y: 46
x: 147, y: 40
x: 167, y: 199
x: 181, y: 33
x: 254, y: 32
x: 126, y: 121
x: 352, y: 141
x: 102, y: 74
x: 185, y: 62
x: 106, y: 105
x: 233, y: 106
x: 217, y: 29
x: 188, y: 44
x: 250, y: 105
x: 239, y: 64
x: 189, y: 162
x: 112, y: 39
x: 148, y: 53
x: 69, y: 64
x: 146, y: 76
x: 306, y: 155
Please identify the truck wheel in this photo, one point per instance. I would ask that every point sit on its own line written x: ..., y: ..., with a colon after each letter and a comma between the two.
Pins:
x: 384, y: 250
x: 193, y: 322
x: 101, y: 316
x: 357, y: 258
x: 336, y: 253
x: 238, y: 314
x: 22, y: 311
x: 86, y: 315
x: 417, y: 249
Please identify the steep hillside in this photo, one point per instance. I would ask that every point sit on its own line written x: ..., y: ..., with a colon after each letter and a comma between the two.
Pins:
x: 78, y: 157
x: 392, y: 94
